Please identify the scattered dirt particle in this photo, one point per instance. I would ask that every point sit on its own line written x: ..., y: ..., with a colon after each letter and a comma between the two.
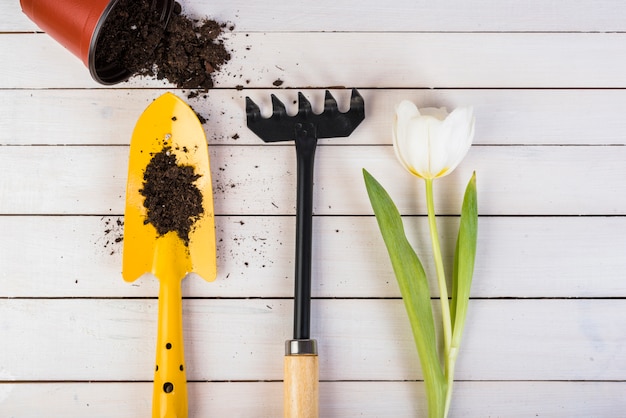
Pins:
x: 278, y: 82
x: 113, y: 233
x: 201, y: 118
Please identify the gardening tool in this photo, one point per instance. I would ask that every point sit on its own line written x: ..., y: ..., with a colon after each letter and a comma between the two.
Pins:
x: 168, y: 123
x: 306, y: 127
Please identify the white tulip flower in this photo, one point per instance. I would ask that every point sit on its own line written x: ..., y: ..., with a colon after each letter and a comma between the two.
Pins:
x: 429, y: 142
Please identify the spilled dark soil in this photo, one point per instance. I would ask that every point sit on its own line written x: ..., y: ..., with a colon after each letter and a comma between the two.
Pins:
x: 187, y: 52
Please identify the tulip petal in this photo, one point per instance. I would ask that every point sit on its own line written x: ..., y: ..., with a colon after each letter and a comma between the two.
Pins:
x: 416, y: 146
x: 405, y: 111
x: 438, y: 157
x: 439, y: 113
x: 460, y: 133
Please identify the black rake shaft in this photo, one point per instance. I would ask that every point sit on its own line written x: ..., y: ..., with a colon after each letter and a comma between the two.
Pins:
x: 306, y: 143
x: 304, y: 128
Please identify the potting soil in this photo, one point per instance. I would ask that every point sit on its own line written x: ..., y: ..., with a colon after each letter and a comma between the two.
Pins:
x: 187, y: 53
x: 172, y: 200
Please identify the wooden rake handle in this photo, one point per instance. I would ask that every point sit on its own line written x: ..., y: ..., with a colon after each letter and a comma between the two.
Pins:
x: 301, y: 395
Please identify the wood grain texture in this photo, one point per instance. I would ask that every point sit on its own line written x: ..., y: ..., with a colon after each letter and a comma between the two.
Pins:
x: 361, y: 339
x: 301, y: 386
x: 425, y: 60
x: 505, y: 117
x: 403, y: 16
x: 524, y: 257
x: 337, y: 399
x: 245, y: 179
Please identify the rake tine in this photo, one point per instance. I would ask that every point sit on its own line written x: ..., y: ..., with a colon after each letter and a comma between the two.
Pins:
x: 330, y: 104
x: 278, y: 108
x: 356, y: 101
x: 304, y: 106
x: 253, y: 112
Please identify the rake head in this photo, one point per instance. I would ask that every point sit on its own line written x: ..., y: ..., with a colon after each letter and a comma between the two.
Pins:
x: 331, y: 123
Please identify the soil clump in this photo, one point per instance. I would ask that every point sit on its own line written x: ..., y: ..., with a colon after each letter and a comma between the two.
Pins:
x: 172, y: 200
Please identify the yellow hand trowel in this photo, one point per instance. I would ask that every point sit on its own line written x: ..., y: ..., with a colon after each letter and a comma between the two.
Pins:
x: 169, y: 229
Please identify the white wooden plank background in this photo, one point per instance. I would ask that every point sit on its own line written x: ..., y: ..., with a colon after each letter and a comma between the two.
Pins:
x: 545, y: 334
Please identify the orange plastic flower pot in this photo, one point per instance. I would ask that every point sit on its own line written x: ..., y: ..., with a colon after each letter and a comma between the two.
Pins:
x: 76, y: 24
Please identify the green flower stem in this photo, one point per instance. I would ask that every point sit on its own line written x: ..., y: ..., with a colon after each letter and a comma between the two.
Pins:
x: 450, y: 354
x: 449, y: 372
x: 441, y: 275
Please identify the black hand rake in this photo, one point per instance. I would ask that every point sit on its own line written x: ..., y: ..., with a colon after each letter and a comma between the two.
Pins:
x: 305, y: 128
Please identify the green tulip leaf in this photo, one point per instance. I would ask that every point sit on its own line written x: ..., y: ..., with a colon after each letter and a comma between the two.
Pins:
x: 464, y: 261
x: 415, y: 292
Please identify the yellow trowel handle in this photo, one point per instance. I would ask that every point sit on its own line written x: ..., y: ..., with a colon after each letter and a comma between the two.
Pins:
x: 169, y: 398
x: 301, y: 395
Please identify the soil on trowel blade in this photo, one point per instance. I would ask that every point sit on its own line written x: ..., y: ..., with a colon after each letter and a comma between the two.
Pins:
x: 187, y: 53
x: 172, y: 200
